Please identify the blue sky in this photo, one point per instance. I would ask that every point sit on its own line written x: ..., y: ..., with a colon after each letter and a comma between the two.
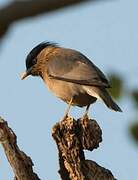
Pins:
x: 108, y: 34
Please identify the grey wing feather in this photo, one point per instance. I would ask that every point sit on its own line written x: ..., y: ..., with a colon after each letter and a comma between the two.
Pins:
x: 72, y: 66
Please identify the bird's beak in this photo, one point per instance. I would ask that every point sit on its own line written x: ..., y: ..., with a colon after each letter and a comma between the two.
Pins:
x: 25, y: 74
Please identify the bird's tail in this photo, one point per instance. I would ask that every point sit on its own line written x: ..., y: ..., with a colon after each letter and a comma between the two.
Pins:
x: 101, y: 93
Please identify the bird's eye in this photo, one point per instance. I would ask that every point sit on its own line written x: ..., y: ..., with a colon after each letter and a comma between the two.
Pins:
x: 34, y: 61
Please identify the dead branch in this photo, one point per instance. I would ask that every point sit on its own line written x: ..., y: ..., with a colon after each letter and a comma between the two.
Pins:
x: 19, y: 161
x: 72, y: 137
x: 18, y: 10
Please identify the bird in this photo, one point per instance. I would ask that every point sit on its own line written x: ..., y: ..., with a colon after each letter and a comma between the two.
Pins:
x: 70, y: 75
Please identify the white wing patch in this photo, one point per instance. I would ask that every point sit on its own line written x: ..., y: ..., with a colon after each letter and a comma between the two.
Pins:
x: 91, y: 91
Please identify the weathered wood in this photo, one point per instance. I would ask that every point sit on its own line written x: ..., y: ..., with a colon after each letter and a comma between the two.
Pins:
x: 19, y: 161
x: 72, y: 137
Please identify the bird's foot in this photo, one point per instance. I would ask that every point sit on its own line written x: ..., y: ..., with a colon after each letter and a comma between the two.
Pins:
x: 85, y: 116
x: 65, y: 116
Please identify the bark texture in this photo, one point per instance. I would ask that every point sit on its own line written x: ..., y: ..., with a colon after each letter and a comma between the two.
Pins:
x: 72, y: 138
x: 19, y: 161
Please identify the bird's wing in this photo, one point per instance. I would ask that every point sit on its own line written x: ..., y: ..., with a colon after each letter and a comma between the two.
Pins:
x: 72, y: 66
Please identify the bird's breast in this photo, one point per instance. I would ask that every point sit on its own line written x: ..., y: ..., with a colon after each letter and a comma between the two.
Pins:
x: 66, y: 91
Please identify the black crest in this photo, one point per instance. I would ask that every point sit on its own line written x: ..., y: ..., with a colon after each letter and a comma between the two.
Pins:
x: 31, y: 57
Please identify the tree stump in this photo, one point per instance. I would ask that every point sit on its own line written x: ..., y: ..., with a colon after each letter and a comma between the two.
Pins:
x: 72, y: 138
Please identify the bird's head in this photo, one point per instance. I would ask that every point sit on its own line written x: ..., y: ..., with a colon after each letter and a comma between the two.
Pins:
x: 33, y: 63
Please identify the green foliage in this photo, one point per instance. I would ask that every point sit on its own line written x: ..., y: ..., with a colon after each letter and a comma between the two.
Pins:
x: 135, y: 97
x: 134, y: 131
x: 117, y: 91
x: 116, y: 86
x: 134, y: 126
